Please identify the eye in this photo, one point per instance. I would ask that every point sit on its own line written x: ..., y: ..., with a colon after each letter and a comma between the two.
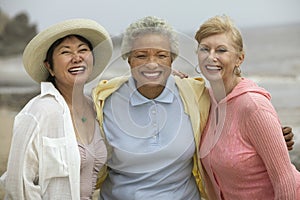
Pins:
x: 221, y: 50
x: 84, y: 50
x: 64, y: 52
x: 203, y: 49
x: 140, y: 56
x: 162, y: 56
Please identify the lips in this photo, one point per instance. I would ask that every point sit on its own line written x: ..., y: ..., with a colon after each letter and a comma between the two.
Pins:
x: 77, y: 70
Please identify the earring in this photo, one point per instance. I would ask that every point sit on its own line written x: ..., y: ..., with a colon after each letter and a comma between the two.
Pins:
x: 197, y: 69
x: 237, y: 70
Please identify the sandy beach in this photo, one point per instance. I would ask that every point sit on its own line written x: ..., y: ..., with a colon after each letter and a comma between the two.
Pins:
x: 6, y: 124
x: 272, y: 60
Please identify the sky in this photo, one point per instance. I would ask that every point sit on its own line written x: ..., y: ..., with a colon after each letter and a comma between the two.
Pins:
x: 184, y: 15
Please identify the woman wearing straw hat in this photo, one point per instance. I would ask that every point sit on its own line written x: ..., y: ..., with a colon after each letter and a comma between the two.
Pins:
x: 57, y: 149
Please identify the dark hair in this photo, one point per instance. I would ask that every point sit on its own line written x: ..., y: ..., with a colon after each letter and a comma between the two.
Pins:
x: 49, y: 55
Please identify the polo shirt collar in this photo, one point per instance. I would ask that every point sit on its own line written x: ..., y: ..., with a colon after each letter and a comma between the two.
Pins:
x: 167, y: 96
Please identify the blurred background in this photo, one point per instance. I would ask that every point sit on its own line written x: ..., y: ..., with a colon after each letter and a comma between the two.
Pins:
x: 271, y: 31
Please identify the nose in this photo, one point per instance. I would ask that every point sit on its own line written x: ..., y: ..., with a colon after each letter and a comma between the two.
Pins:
x: 77, y: 58
x: 212, y: 55
x: 152, y: 59
x: 151, y: 65
x: 151, y: 62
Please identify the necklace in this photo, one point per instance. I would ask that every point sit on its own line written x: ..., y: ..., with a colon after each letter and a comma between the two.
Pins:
x: 83, y: 119
x: 83, y: 131
x: 83, y: 115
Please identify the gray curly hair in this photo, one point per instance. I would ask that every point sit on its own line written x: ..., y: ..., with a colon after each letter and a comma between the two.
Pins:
x: 149, y: 24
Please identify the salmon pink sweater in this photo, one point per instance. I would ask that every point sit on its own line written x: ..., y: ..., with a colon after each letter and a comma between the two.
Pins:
x: 243, y: 151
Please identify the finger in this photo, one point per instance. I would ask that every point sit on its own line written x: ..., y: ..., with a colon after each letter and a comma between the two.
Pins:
x: 182, y: 75
x: 290, y: 145
x: 179, y: 73
x: 288, y: 137
x: 286, y: 130
x: 290, y: 148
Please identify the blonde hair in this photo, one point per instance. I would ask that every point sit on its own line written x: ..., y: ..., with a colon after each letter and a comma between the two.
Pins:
x: 146, y: 25
x: 218, y: 25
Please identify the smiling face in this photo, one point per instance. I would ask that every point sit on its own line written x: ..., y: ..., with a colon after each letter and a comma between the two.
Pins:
x: 217, y: 58
x: 150, y: 61
x: 72, y: 62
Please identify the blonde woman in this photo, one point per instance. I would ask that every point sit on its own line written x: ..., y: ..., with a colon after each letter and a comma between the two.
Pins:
x: 242, y: 149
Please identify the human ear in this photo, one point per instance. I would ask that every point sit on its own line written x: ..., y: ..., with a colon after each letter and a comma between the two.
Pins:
x: 48, y: 67
x: 240, y: 59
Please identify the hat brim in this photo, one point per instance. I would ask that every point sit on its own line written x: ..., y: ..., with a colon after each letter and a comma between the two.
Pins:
x: 36, y: 50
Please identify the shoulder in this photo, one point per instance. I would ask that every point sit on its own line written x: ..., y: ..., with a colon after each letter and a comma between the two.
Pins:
x: 193, y: 81
x: 196, y: 84
x: 252, y: 101
x: 41, y: 106
x: 256, y: 108
x: 248, y: 95
x: 113, y: 82
x: 107, y: 87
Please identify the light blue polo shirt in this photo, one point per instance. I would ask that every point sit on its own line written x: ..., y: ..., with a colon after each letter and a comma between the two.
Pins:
x: 152, y: 146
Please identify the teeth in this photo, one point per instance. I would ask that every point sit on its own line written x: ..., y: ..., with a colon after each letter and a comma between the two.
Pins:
x: 148, y: 74
x: 75, y: 69
x: 212, y: 67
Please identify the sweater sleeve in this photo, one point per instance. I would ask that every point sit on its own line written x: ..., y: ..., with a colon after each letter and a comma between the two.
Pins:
x: 265, y: 134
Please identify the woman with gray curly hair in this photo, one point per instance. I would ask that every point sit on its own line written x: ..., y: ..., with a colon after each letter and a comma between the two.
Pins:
x: 151, y: 120
x: 149, y: 25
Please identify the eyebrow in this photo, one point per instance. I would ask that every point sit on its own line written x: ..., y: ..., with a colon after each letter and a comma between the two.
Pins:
x: 66, y: 46
x: 146, y: 50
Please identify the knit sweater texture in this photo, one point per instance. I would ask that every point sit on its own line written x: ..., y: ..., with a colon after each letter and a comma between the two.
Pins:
x: 243, y: 151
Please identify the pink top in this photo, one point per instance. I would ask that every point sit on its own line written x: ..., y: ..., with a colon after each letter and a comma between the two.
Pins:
x: 243, y: 150
x: 93, y: 157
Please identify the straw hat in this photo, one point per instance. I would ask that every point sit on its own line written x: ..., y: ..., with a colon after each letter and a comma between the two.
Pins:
x: 36, y: 50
